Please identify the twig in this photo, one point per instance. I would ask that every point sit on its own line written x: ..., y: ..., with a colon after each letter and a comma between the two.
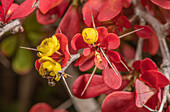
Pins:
x: 10, y: 26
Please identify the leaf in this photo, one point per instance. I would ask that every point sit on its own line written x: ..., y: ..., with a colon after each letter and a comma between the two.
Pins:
x: 136, y: 65
x: 154, y: 79
x: 41, y: 107
x: 112, y: 79
x: 8, y: 45
x: 45, y: 5
x: 113, y: 56
x: 143, y: 93
x: 162, y: 3
x: 147, y: 64
x: 144, y: 33
x: 95, y: 88
x: 5, y: 5
x: 120, y: 101
x: 110, y: 9
x: 22, y: 62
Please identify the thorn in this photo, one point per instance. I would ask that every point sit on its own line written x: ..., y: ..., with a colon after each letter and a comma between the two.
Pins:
x: 92, y: 18
x: 60, y: 30
x: 126, y: 34
x: 94, y: 70
x: 67, y: 86
x: 125, y: 65
x: 108, y: 61
x: 32, y: 49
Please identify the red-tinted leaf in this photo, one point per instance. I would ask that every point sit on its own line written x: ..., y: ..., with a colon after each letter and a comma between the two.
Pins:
x: 168, y: 109
x: 87, y: 64
x: 128, y: 51
x: 5, y: 5
x: 53, y: 14
x: 136, y: 65
x: 41, y: 107
x: 112, y: 79
x: 124, y: 22
x: 12, y: 8
x: 143, y: 93
x: 102, y: 32
x: 96, y: 6
x: 23, y: 10
x: 87, y: 51
x: 154, y: 78
x: 111, y: 41
x: 147, y: 64
x: 101, y: 65
x: 126, y: 3
x: 114, y: 56
x: 78, y: 42
x: 95, y: 88
x: 37, y: 65
x: 162, y: 3
x: 121, y: 101
x: 64, y: 47
x: 45, y: 5
x: 144, y: 33
x: 110, y: 9
x: 70, y: 19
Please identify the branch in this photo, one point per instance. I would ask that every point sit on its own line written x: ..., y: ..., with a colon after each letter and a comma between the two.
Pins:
x: 10, y: 26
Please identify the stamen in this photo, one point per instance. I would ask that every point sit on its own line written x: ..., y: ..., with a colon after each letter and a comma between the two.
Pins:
x: 108, y: 60
x: 89, y: 80
x: 126, y: 34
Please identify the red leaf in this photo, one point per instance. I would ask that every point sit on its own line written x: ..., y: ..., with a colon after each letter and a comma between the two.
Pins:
x: 45, y: 5
x: 147, y: 64
x: 110, y: 9
x: 124, y: 22
x: 162, y: 3
x: 64, y: 48
x: 12, y: 8
x: 78, y: 42
x: 100, y: 65
x: 41, y: 107
x: 24, y: 10
x: 5, y: 5
x: 114, y: 56
x: 143, y: 93
x: 53, y: 14
x: 37, y: 65
x: 126, y: 3
x: 70, y: 19
x: 96, y: 6
x: 121, y: 101
x: 111, y: 41
x: 112, y: 79
x: 102, y: 32
x: 136, y: 64
x: 95, y: 88
x: 168, y: 109
x: 154, y: 78
x: 87, y: 64
x: 128, y: 51
x: 144, y: 33
x: 87, y: 51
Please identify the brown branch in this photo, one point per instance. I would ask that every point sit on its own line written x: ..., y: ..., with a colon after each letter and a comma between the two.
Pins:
x: 10, y: 26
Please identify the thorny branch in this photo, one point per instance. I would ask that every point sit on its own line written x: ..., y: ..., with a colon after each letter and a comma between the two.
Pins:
x: 10, y: 26
x: 160, y: 30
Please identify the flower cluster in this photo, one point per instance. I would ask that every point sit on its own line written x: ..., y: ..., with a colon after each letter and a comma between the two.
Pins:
x: 53, y: 55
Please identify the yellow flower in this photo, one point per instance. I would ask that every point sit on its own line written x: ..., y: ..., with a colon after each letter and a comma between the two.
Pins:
x: 90, y: 35
x: 49, y: 67
x: 48, y: 46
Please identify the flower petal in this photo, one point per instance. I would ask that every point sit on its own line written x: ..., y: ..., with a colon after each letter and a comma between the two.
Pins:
x: 154, y: 78
x: 110, y: 9
x: 102, y: 32
x: 78, y: 42
x: 96, y: 84
x: 113, y: 56
x: 45, y: 5
x: 100, y: 65
x: 37, y: 64
x: 147, y: 64
x: 87, y: 64
x: 111, y: 41
x: 143, y: 93
x: 112, y: 79
x: 136, y: 64
x: 87, y: 51
x: 5, y: 5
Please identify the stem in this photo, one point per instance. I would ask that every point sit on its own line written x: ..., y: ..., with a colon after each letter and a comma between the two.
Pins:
x: 138, y: 55
x: 89, y: 80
